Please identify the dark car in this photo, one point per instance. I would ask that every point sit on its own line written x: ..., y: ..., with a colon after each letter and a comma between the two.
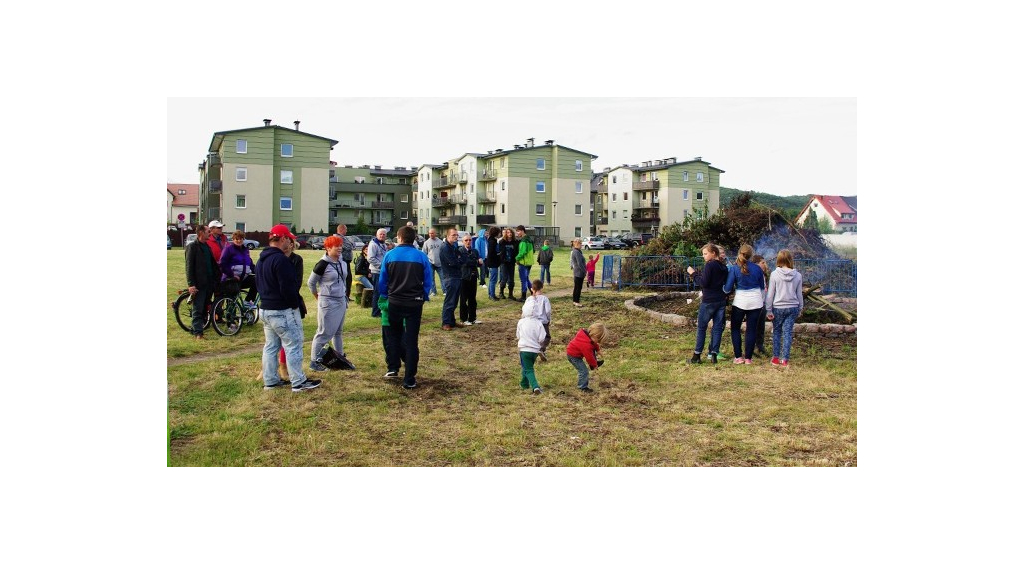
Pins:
x: 615, y: 244
x: 637, y: 239
x: 365, y: 238
x: 302, y: 241
x: 316, y: 242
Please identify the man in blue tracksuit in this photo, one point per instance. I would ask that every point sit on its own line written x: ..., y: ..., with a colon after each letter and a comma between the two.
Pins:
x: 451, y: 262
x: 405, y: 281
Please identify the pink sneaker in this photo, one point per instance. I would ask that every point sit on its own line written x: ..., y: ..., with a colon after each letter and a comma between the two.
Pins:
x: 775, y: 361
x: 784, y: 364
x: 737, y: 360
x: 748, y: 361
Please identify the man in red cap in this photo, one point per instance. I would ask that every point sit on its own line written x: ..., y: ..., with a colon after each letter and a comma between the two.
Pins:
x: 282, y: 320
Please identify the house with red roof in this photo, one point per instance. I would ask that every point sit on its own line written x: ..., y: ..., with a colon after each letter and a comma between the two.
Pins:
x: 182, y: 199
x: 840, y: 211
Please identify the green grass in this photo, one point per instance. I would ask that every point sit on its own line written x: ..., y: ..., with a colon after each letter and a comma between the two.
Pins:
x: 650, y: 409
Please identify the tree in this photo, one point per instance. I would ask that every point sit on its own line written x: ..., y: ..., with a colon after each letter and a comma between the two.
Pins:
x: 361, y: 227
x: 825, y: 226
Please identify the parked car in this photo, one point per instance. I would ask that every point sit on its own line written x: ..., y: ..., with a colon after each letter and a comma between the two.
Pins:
x: 251, y: 244
x: 615, y: 243
x: 191, y: 239
x: 593, y: 243
x: 357, y: 243
x: 637, y: 239
x: 364, y: 238
x: 316, y: 242
x: 302, y: 241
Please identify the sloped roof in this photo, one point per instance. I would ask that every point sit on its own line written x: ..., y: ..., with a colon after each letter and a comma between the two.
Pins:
x: 218, y: 137
x: 505, y: 152
x: 836, y: 206
x: 191, y: 197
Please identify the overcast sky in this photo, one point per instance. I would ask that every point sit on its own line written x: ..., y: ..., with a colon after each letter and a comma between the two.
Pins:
x: 783, y: 146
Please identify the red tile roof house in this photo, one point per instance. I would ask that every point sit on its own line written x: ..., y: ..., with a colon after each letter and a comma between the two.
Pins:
x: 840, y: 211
x: 182, y: 198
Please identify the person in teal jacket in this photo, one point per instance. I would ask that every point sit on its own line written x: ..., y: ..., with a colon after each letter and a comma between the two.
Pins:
x: 524, y: 258
x: 480, y: 244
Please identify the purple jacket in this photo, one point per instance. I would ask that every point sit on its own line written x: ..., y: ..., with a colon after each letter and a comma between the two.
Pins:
x: 235, y: 261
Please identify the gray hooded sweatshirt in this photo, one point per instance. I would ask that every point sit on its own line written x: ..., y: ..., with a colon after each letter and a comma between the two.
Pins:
x: 785, y: 289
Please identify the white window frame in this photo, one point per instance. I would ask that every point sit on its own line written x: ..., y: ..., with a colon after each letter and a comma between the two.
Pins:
x: 502, y: 185
x: 542, y: 164
x: 244, y: 172
x: 613, y: 196
x: 283, y: 145
x: 625, y: 196
x: 405, y: 214
x: 245, y: 146
x: 686, y: 195
x: 541, y: 187
x: 613, y: 214
x: 281, y: 203
x: 579, y: 187
x: 240, y: 207
x: 615, y: 180
x: 579, y: 166
x: 686, y: 176
x: 405, y: 198
x: 700, y: 177
x: 699, y: 196
x: 240, y: 226
x: 502, y: 162
x: 291, y: 177
x: 578, y: 232
x: 579, y: 209
x: 540, y: 209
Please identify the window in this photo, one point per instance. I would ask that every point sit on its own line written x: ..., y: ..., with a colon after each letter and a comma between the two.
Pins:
x: 654, y: 175
x: 643, y: 177
x: 541, y: 187
x: 541, y: 164
x: 613, y: 215
x: 471, y: 185
x: 380, y: 181
x: 700, y: 195
x: 613, y: 197
x: 286, y: 203
x: 241, y: 173
x: 686, y: 194
x: 502, y: 208
x: 579, y: 209
x: 471, y: 212
x: 181, y: 191
x: 540, y: 209
x: 686, y: 176
x: 405, y: 198
x: 240, y: 201
x: 579, y: 166
x: 578, y: 232
x: 241, y: 146
x: 579, y: 187
x: 286, y: 177
x: 240, y: 226
x: 360, y: 179
x: 287, y: 150
x: 405, y: 215
x: 625, y: 196
x: 700, y: 177
x: 615, y: 180
x: 502, y: 185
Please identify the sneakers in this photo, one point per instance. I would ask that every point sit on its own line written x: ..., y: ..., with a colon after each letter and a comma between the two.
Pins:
x: 577, y: 304
x: 784, y: 364
x: 316, y: 366
x: 467, y: 322
x: 775, y: 361
x: 737, y: 360
x: 695, y: 359
x: 309, y: 384
x: 279, y: 384
x: 446, y: 327
x: 713, y: 357
x: 391, y: 375
x: 409, y: 386
x: 748, y: 361
x: 536, y: 391
x: 587, y: 390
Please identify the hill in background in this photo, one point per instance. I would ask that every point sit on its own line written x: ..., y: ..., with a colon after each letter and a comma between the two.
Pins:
x: 790, y: 206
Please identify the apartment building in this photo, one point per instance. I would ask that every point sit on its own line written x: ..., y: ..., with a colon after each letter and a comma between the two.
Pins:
x: 642, y: 198
x: 543, y: 187
x: 380, y: 197
x: 255, y: 178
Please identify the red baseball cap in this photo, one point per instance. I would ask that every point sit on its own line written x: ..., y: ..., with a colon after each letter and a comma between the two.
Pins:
x: 281, y: 230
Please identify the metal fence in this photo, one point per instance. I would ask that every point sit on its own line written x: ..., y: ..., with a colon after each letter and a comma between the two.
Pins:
x: 836, y: 276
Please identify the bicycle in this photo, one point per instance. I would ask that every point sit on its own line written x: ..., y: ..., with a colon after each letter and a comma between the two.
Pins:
x: 228, y: 310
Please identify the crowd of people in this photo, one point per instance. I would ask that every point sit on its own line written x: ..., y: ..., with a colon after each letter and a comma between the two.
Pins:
x: 401, y: 276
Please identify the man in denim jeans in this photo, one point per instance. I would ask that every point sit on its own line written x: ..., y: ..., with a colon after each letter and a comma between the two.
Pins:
x: 282, y: 320
x: 712, y: 302
x: 451, y: 262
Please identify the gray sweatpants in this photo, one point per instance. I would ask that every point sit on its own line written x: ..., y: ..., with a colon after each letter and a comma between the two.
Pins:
x: 330, y: 317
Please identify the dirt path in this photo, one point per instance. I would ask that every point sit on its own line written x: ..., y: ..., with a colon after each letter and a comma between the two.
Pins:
x: 202, y: 357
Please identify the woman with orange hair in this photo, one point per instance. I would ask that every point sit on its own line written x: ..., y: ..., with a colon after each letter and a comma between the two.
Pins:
x: 328, y: 283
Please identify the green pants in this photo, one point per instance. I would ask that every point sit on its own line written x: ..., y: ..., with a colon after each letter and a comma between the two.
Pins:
x: 529, y: 381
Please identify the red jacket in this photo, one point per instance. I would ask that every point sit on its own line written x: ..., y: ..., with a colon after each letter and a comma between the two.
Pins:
x: 582, y: 346
x: 217, y: 247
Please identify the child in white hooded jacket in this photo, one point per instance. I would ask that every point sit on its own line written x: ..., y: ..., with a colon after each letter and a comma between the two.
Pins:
x: 530, y: 332
x: 784, y: 301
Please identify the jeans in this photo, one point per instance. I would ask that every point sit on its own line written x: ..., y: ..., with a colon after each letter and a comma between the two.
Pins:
x: 524, y: 278
x: 545, y: 273
x: 782, y: 330
x: 508, y: 277
x: 375, y: 312
x: 714, y: 312
x: 467, y: 301
x: 403, y: 333
x: 492, y: 281
x: 759, y: 341
x: 452, y: 285
x: 436, y: 270
x: 483, y: 274
x: 582, y: 371
x: 282, y: 328
x: 529, y: 379
x: 737, y: 318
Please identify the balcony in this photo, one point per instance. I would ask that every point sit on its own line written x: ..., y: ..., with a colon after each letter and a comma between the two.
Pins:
x: 463, y: 177
x: 488, y: 174
x: 451, y: 220
x: 444, y: 181
x: 383, y: 205
x: 485, y: 197
x: 485, y: 219
x: 458, y: 199
x: 441, y: 202
x: 353, y: 204
x: 381, y: 222
x: 649, y: 220
x: 646, y: 204
x: 216, y: 186
x: 602, y: 221
x: 648, y: 185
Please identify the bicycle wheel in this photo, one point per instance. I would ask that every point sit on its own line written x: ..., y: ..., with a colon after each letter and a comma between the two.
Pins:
x: 183, y: 313
x: 253, y: 315
x: 227, y: 316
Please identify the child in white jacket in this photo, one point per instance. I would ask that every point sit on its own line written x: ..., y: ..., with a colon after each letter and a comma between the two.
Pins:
x: 530, y: 332
x: 783, y: 303
x: 541, y: 309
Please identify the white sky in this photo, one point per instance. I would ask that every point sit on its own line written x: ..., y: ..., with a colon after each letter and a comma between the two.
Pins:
x: 783, y: 146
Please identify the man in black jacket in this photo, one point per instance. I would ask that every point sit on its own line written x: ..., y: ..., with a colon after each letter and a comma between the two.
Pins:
x: 202, y: 274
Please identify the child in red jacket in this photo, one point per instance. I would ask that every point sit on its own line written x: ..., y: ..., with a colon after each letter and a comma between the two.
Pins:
x: 582, y: 351
x: 591, y: 268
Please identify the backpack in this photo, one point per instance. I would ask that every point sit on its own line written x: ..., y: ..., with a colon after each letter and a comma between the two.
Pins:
x: 362, y: 266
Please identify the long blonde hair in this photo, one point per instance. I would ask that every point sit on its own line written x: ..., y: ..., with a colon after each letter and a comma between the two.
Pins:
x: 784, y: 258
x: 746, y: 251
x: 597, y: 332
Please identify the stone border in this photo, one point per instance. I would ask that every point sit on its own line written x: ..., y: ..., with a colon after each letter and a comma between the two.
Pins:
x: 637, y: 305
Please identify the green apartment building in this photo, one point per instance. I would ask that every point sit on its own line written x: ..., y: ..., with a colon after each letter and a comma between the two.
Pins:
x: 643, y: 198
x: 543, y: 187
x: 255, y: 178
x: 380, y: 197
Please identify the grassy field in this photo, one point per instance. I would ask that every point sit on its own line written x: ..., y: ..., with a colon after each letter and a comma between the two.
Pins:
x: 650, y: 409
